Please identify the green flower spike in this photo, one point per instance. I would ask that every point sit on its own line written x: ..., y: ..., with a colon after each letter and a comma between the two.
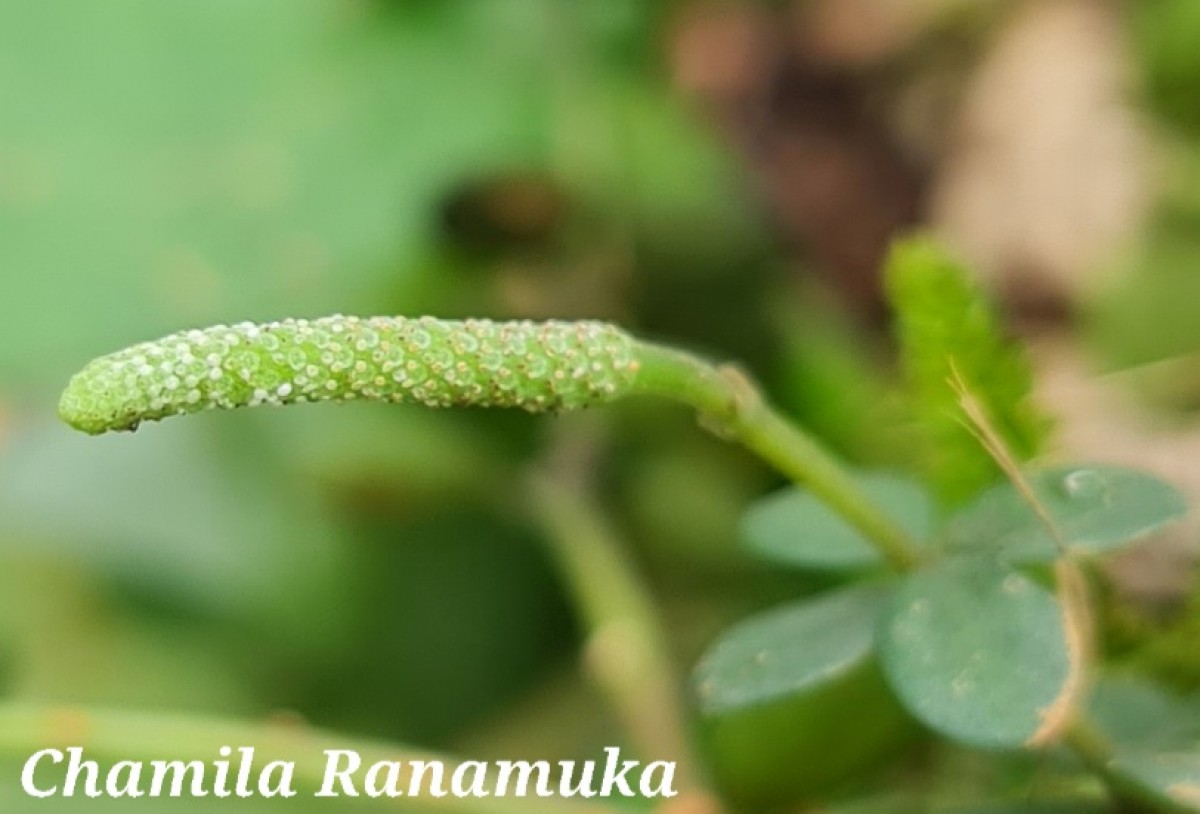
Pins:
x: 539, y: 367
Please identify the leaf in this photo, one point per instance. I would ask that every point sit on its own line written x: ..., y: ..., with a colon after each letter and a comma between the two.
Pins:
x: 1135, y: 714
x: 1095, y: 508
x: 779, y: 692
x: 981, y: 653
x: 1170, y: 781
x: 792, y: 527
x: 1154, y: 734
x: 944, y: 326
x: 788, y: 650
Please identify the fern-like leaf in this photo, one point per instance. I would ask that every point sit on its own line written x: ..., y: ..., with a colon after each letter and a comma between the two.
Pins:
x: 947, y: 331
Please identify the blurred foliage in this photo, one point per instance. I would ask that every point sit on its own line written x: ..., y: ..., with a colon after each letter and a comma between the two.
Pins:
x: 948, y: 333
x: 169, y: 166
x: 1145, y: 311
x: 373, y: 569
x: 1164, y: 32
x: 1158, y: 645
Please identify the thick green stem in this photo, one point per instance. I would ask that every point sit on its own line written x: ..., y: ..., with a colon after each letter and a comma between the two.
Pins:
x: 732, y: 406
x: 108, y: 735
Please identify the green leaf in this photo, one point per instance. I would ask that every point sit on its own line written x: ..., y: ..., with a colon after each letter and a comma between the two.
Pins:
x: 793, y: 527
x: 1154, y: 734
x: 1096, y: 508
x: 1169, y: 781
x: 778, y: 693
x: 980, y: 653
x: 946, y: 328
x: 789, y: 649
x: 1135, y: 714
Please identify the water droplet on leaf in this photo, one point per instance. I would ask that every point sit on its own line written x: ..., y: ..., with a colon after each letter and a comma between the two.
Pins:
x: 1083, y: 484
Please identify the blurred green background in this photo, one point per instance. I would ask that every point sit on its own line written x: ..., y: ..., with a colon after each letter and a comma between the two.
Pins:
x: 723, y: 175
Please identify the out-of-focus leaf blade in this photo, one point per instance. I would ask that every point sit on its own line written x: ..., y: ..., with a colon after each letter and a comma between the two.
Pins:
x: 1094, y: 508
x: 1135, y: 714
x: 793, y: 527
x: 1169, y: 780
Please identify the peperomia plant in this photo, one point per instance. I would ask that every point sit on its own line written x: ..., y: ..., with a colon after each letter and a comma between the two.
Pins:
x: 968, y: 616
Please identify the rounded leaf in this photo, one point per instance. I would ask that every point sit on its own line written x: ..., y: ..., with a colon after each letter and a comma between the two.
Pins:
x: 779, y: 692
x: 980, y: 653
x: 788, y: 649
x: 1097, y: 508
x: 793, y: 527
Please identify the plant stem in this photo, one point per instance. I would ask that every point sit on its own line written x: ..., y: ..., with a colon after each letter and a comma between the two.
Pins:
x: 731, y: 405
x: 1092, y: 747
x: 109, y: 735
x: 1086, y: 741
x: 626, y: 647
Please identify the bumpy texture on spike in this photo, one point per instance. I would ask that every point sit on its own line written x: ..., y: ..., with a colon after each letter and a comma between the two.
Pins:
x: 439, y: 363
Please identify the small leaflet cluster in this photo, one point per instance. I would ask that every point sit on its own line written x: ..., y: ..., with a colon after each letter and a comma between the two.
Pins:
x: 537, y: 366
